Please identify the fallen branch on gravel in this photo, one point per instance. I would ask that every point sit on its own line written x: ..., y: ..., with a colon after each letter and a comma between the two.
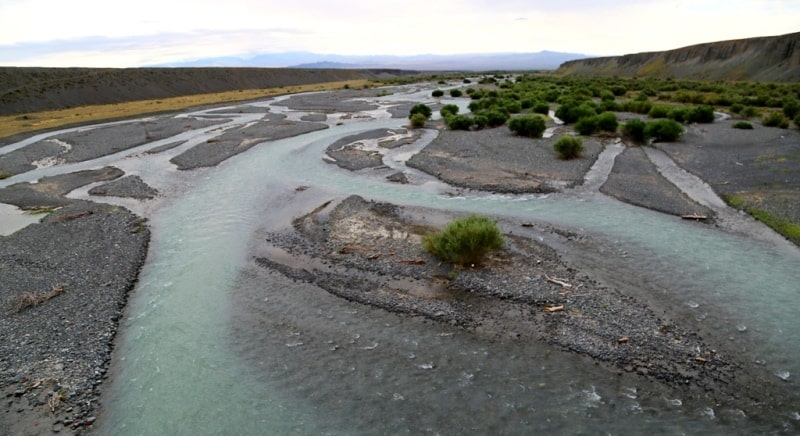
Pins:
x: 558, y: 281
x: 412, y: 261
x: 64, y: 218
x: 24, y: 301
x: 551, y: 309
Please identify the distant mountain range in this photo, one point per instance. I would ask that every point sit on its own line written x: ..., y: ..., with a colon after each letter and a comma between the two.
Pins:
x: 768, y: 58
x: 543, y: 60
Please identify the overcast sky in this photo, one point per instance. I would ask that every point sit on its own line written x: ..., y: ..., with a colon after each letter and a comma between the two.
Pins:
x: 113, y: 33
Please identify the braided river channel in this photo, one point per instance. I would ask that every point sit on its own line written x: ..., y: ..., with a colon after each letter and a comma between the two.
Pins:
x: 213, y: 344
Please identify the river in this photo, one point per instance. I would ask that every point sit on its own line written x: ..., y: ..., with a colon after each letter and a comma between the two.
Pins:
x: 215, y: 345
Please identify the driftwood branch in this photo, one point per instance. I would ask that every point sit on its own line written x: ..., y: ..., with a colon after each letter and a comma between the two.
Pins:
x: 557, y: 281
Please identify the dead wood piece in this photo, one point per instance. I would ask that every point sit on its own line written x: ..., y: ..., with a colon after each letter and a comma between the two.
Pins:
x: 412, y: 261
x: 527, y: 224
x: 557, y: 281
x: 624, y: 340
x: 24, y: 301
x: 348, y: 250
x: 694, y: 216
x: 61, y: 219
x: 700, y: 359
x: 551, y: 309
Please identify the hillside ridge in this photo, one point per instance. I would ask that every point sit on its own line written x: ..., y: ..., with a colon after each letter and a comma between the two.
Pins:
x: 763, y: 59
x: 31, y: 89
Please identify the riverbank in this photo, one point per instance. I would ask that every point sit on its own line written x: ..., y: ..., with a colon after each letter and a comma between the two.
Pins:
x: 356, y: 247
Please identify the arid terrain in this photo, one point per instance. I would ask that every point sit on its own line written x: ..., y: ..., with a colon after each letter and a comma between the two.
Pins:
x: 55, y: 351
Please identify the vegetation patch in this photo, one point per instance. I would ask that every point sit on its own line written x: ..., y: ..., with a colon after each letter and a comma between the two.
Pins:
x: 786, y: 228
x: 568, y: 147
x: 465, y: 241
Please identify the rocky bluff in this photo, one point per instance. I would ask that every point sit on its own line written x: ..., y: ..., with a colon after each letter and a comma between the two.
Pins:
x: 765, y: 59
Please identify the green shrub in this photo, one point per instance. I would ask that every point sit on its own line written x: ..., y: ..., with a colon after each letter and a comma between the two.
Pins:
x: 568, y: 147
x: 586, y: 125
x: 455, y: 93
x: 528, y: 102
x: 422, y: 109
x: 512, y: 106
x: 749, y: 112
x: 700, y: 114
x: 637, y: 106
x: 460, y: 122
x: 495, y: 117
x: 776, y: 119
x: 607, y: 122
x: 678, y: 114
x: 481, y: 121
x: 437, y: 93
x: 572, y: 110
x: 530, y: 126
x: 418, y: 120
x: 791, y: 108
x: 742, y: 125
x: 448, y: 109
x: 658, y: 111
x: 797, y: 121
x: 467, y: 81
x: 465, y: 241
x: 736, y: 108
x: 663, y: 130
x: 541, y: 108
x: 634, y: 130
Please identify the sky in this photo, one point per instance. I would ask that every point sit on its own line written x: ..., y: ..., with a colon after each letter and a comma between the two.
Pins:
x: 116, y: 33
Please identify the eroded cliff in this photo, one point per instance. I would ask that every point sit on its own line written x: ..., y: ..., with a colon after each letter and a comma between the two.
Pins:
x: 772, y: 58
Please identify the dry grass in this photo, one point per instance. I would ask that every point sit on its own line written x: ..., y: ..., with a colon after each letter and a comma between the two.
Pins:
x: 31, y: 122
x: 24, y: 301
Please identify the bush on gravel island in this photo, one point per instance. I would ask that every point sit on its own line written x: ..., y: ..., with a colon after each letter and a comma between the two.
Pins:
x: 420, y: 109
x: 437, y: 93
x: 465, y: 241
x: 418, y: 120
x: 530, y: 126
x: 568, y: 147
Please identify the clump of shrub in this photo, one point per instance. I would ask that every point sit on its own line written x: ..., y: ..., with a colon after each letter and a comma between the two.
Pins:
x: 448, y: 110
x: 796, y: 123
x: 606, y: 122
x: 541, y: 108
x: 460, y: 122
x: 586, y: 125
x: 420, y: 109
x: 530, y: 126
x: 495, y: 117
x: 572, y: 110
x: 634, y: 130
x: 455, y: 93
x: 776, y: 119
x: 663, y: 130
x: 465, y: 241
x: 568, y: 147
x: 742, y: 125
x: 700, y: 114
x: 791, y: 108
x: 659, y: 111
x: 748, y: 112
x: 437, y: 93
x: 418, y: 120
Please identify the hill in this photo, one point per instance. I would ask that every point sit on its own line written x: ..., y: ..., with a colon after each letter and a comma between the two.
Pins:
x: 25, y: 89
x: 763, y: 59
